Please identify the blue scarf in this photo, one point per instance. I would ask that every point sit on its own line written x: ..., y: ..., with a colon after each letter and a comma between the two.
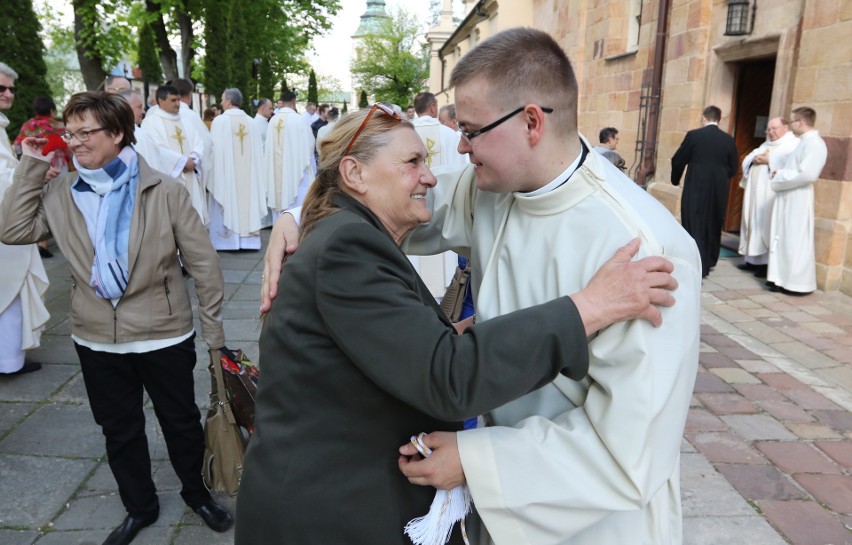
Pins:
x: 105, y: 197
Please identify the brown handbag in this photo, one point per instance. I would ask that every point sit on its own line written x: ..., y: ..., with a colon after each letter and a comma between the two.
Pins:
x: 453, y: 301
x: 224, y: 441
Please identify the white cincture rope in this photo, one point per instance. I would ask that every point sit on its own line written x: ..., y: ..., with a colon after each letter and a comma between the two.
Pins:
x: 448, y: 507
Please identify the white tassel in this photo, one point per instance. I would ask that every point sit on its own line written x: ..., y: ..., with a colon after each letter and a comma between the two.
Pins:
x: 448, y: 507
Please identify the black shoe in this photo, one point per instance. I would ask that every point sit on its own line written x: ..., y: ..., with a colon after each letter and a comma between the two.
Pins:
x: 760, y: 271
x: 769, y: 284
x: 44, y: 252
x: 29, y: 367
x: 127, y: 530
x: 795, y: 293
x: 775, y: 289
x: 216, y: 517
x: 746, y: 266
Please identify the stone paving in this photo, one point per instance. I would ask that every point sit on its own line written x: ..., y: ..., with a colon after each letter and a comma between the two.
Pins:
x: 766, y: 455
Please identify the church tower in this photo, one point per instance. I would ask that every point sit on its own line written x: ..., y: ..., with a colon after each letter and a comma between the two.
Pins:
x: 372, y: 19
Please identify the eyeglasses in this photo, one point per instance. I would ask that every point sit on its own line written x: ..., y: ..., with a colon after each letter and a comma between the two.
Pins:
x: 81, y: 135
x: 4, y: 88
x: 377, y: 106
x: 471, y: 135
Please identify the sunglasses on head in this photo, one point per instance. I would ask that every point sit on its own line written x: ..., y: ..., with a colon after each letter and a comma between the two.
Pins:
x: 376, y: 107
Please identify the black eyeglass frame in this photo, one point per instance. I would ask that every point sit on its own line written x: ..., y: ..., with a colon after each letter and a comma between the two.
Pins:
x: 471, y: 135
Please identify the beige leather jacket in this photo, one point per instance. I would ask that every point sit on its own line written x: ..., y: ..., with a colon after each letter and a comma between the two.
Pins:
x: 156, y: 303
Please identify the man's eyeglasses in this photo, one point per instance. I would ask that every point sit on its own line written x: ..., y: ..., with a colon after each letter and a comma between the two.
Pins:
x: 471, y: 135
x: 81, y: 135
x: 376, y: 107
x: 4, y: 88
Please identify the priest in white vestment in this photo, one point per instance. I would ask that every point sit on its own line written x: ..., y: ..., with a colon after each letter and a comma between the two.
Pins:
x: 757, y: 196
x: 237, y: 198
x: 261, y: 118
x: 181, y: 144
x: 145, y: 145
x: 442, y: 143
x: 289, y: 158
x: 23, y: 280
x: 792, y: 260
x: 595, y: 462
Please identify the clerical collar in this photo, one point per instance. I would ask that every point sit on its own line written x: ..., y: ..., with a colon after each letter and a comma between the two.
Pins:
x: 564, y: 175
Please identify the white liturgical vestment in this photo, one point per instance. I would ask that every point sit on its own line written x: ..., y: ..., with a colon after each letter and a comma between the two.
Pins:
x: 261, y: 124
x: 597, y: 461
x: 289, y: 158
x: 237, y: 198
x: 23, y: 281
x: 442, y: 145
x: 758, y: 197
x: 177, y: 141
x: 792, y: 259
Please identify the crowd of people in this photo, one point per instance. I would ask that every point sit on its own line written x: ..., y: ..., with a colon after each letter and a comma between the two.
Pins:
x: 777, y: 223
x: 579, y: 349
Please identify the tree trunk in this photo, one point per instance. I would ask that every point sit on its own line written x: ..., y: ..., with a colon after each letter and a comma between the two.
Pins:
x: 186, y: 36
x: 168, y: 57
x: 91, y: 63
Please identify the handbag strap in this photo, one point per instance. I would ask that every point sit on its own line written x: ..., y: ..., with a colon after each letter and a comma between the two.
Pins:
x: 222, y: 396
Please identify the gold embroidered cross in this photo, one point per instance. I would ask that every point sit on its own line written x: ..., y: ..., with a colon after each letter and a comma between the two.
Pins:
x: 430, y: 151
x: 178, y: 135
x: 241, y: 134
x: 278, y: 127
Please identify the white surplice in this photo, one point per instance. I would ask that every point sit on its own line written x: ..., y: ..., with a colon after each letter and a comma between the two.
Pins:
x: 147, y: 148
x: 23, y: 281
x: 289, y: 158
x: 177, y: 140
x: 591, y: 462
x: 758, y: 197
x: 237, y: 198
x: 792, y: 259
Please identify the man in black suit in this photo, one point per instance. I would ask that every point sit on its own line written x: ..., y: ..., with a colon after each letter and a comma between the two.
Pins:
x: 712, y: 158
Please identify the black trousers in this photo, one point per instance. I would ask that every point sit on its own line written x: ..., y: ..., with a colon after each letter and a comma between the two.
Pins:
x: 114, y: 384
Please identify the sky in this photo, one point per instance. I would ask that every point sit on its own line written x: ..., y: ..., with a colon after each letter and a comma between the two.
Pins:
x: 333, y: 53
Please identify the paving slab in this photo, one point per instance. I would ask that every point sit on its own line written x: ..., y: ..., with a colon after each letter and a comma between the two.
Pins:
x: 713, y: 530
x: 35, y: 387
x: 38, y: 486
x: 839, y: 451
x: 794, y: 457
x: 805, y: 522
x: 56, y: 429
x: 754, y: 427
x: 760, y: 482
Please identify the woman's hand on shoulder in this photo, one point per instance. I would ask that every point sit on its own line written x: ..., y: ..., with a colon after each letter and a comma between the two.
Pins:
x: 624, y: 290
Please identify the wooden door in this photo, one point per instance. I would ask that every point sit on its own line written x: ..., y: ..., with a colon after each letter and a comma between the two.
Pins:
x: 751, y: 113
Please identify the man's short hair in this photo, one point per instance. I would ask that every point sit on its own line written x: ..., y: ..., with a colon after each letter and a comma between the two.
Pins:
x: 422, y: 102
x: 333, y: 113
x: 43, y: 106
x: 524, y: 66
x: 263, y: 102
x: 607, y: 133
x: 7, y: 70
x: 184, y: 86
x: 712, y: 113
x: 234, y: 95
x: 806, y: 114
x: 450, y: 109
x: 163, y: 91
x: 110, y: 79
x: 322, y: 107
x: 287, y: 96
x: 111, y: 111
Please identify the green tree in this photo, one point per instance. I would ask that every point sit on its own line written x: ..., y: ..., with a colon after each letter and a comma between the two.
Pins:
x: 146, y: 53
x: 345, y: 108
x: 21, y: 48
x: 217, y: 61
x: 392, y: 64
x: 362, y: 99
x: 241, y: 59
x: 313, y: 94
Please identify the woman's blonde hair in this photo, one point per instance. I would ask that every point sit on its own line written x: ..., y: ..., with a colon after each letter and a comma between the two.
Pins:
x: 374, y: 136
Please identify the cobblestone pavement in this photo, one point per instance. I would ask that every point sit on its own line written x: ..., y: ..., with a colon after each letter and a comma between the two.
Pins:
x: 766, y: 455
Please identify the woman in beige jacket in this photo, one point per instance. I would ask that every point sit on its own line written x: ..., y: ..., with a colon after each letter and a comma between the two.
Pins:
x: 119, y: 224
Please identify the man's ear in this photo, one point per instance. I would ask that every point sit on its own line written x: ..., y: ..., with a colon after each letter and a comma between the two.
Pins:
x: 534, y: 118
x: 351, y: 175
